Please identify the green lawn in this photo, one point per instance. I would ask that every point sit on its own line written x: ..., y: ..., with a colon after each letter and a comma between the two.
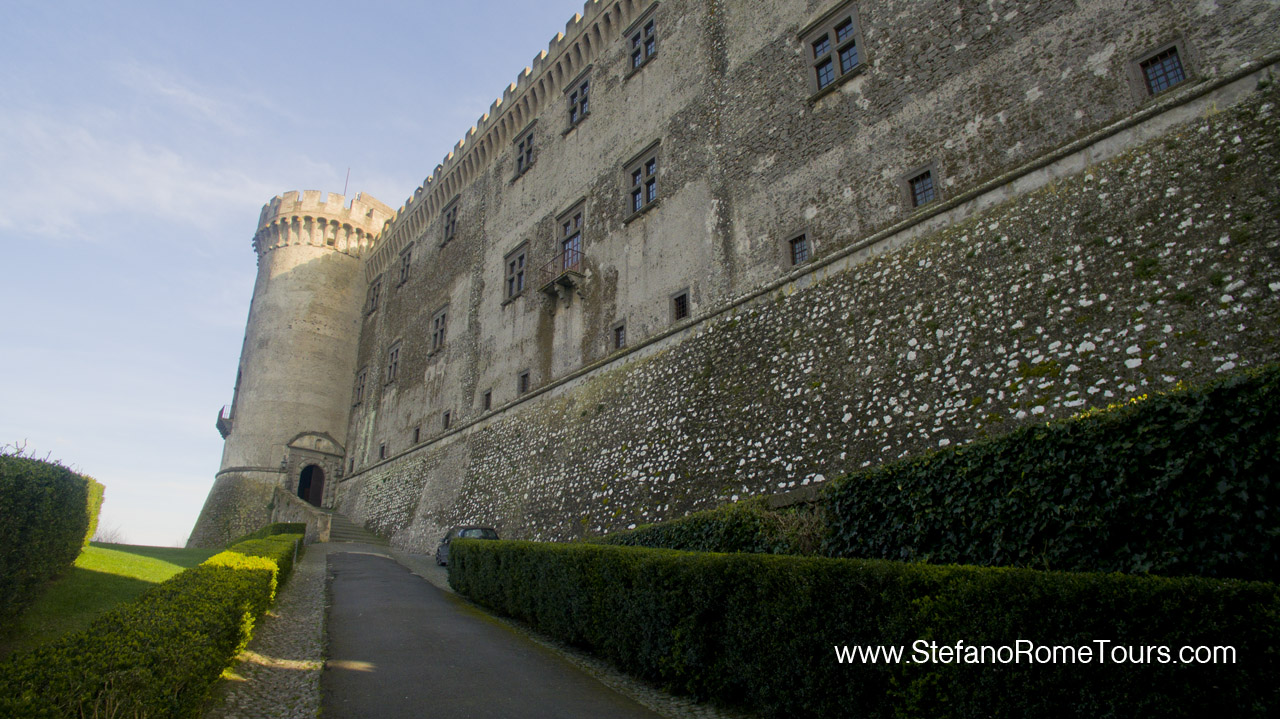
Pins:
x: 105, y: 575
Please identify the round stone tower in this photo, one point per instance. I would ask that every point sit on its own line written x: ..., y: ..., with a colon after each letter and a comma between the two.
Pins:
x: 288, y: 416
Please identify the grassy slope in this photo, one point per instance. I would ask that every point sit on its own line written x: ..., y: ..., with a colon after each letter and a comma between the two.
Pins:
x: 105, y: 575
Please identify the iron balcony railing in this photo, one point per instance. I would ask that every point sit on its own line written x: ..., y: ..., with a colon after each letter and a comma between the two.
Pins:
x: 562, y: 269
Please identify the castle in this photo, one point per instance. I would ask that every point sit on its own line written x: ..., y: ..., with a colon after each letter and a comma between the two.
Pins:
x: 703, y: 250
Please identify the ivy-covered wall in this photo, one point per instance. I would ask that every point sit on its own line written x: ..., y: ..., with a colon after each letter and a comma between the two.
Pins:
x: 1158, y: 266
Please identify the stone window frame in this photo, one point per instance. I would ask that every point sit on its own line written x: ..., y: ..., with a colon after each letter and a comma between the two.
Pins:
x: 525, y: 151
x: 790, y: 244
x: 449, y: 221
x: 1140, y: 83
x: 515, y: 272
x: 570, y: 224
x: 524, y: 382
x: 374, y: 296
x: 393, y: 361
x: 577, y: 99
x: 828, y: 25
x: 907, y: 186
x: 648, y: 163
x: 681, y: 305
x: 446, y: 418
x: 417, y: 434
x: 382, y: 451
x: 486, y: 400
x: 439, y: 329
x: 361, y: 378
x: 641, y: 38
x: 618, y: 335
x: 406, y: 263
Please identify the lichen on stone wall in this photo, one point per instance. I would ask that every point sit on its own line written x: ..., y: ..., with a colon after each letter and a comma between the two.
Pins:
x: 1158, y: 266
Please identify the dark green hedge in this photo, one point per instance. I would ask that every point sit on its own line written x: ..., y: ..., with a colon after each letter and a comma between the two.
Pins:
x: 159, y: 655
x: 760, y: 631
x: 747, y: 526
x: 1186, y: 483
x: 46, y: 511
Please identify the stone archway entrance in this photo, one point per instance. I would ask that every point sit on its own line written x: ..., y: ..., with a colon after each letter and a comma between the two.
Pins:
x: 311, y: 485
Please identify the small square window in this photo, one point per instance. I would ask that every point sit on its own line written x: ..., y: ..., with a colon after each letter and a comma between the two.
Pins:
x: 799, y: 249
x: 522, y: 382
x: 620, y: 335
x: 1162, y: 71
x: 524, y: 153
x: 922, y: 189
x: 680, y: 306
x: 832, y: 42
x: 438, y: 325
x: 487, y: 401
x: 444, y: 419
x: 515, y: 271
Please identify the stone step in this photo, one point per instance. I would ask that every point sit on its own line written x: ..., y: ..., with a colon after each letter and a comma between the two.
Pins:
x: 342, y: 529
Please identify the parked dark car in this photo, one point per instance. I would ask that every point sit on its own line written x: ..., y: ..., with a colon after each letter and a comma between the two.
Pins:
x: 442, y: 551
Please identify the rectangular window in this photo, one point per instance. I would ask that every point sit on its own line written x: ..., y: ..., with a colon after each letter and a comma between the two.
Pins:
x: 524, y: 153
x: 393, y: 362
x: 832, y: 42
x: 405, y: 262
x: 644, y: 42
x: 522, y: 382
x: 360, y: 380
x: 579, y: 106
x: 438, y: 324
x: 515, y: 269
x: 569, y: 237
x: 620, y: 335
x: 1162, y: 71
x: 450, y: 222
x: 487, y: 401
x: 922, y: 189
x: 382, y: 451
x: 680, y: 306
x: 375, y: 293
x: 444, y: 419
x: 799, y: 249
x: 642, y: 180
x: 417, y: 434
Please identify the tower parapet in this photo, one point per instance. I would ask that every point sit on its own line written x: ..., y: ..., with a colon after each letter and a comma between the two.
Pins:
x: 320, y: 220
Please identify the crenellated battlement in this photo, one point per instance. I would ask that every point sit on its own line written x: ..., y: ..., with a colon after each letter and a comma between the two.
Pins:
x: 320, y: 219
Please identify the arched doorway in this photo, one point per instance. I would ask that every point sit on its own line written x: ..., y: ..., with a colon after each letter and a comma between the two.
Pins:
x: 311, y: 484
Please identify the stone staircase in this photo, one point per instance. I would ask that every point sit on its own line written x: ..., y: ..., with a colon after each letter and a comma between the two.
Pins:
x: 342, y: 529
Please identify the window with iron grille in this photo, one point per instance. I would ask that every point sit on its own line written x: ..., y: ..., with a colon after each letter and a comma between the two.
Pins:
x: 1162, y: 70
x: 515, y: 271
x: 450, y: 218
x: 393, y: 362
x: 361, y: 376
x: 642, y: 180
x: 524, y: 152
x: 922, y: 188
x: 522, y: 382
x: 375, y: 293
x: 798, y: 249
x: 579, y: 101
x: 642, y: 37
x: 620, y: 335
x: 406, y: 258
x: 680, y: 305
x: 438, y: 323
x: 570, y: 227
x: 832, y: 45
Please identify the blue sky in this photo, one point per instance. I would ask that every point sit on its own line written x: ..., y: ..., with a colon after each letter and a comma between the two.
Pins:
x: 138, y: 142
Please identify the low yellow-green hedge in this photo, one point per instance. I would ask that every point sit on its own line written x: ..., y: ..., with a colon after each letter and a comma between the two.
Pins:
x: 159, y: 655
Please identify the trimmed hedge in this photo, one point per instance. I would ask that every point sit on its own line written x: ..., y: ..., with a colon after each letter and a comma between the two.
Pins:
x: 747, y: 526
x: 759, y: 631
x: 1185, y: 483
x: 47, y: 514
x: 273, y: 529
x: 160, y: 655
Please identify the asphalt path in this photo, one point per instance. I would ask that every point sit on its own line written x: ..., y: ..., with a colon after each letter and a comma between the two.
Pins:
x: 400, y: 647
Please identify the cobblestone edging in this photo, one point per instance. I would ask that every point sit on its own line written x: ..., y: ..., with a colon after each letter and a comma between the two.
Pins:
x: 278, y: 675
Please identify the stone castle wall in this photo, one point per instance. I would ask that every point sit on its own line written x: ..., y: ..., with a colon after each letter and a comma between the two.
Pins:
x: 1158, y: 266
